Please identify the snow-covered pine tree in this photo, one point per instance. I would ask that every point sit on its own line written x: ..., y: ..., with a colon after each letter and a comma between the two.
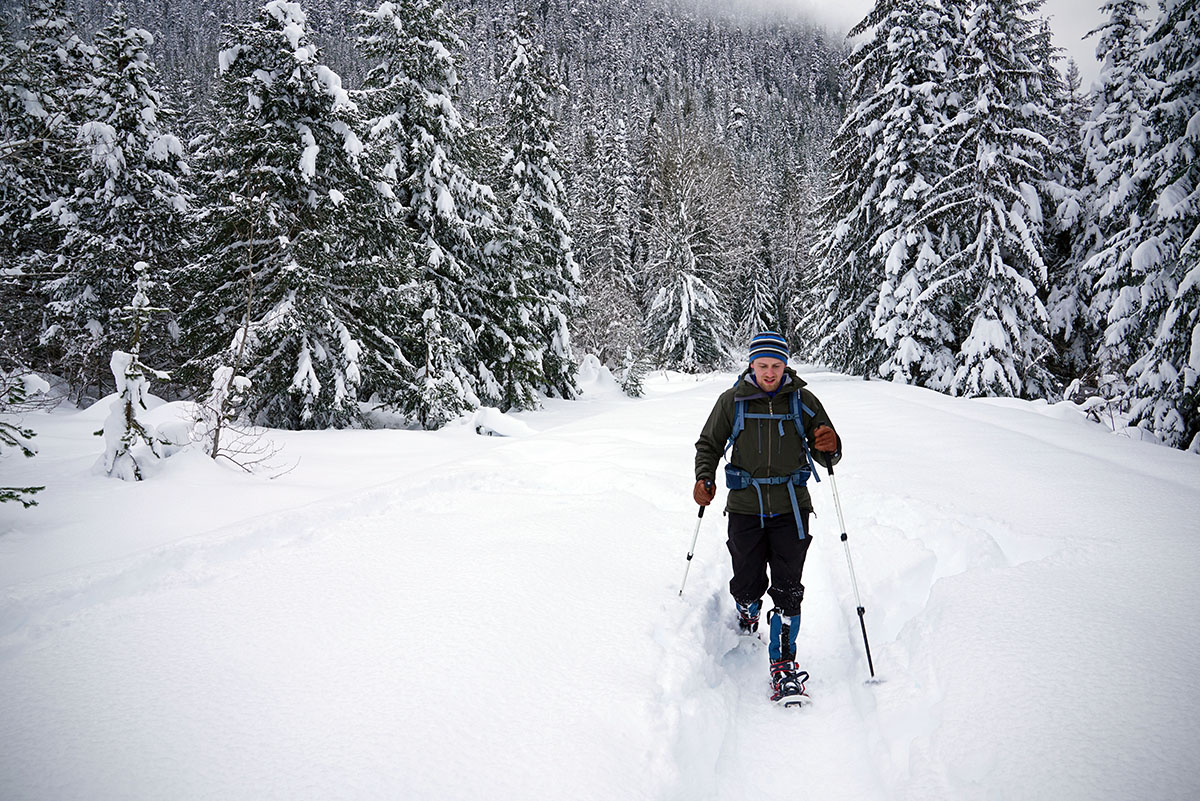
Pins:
x: 586, y: 221
x: 615, y: 283
x: 40, y: 76
x: 437, y: 395
x: 650, y: 156
x: 451, y: 218
x: 124, y: 429
x: 875, y: 312
x: 835, y: 315
x: 514, y: 342
x: 610, y: 323
x: 991, y: 205
x: 541, y: 255
x: 128, y: 207
x: 18, y: 386
x: 795, y: 238
x: 293, y: 227
x: 691, y: 237
x: 760, y: 294
x: 1166, y: 388
x: 1071, y: 324
x: 1116, y: 139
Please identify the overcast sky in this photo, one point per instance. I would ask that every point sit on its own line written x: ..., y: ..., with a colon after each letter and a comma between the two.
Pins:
x: 1071, y: 19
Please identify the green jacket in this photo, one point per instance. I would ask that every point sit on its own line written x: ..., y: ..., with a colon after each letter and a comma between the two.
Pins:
x: 759, y: 449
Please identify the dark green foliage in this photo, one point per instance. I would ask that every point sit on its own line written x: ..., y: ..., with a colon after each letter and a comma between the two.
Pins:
x: 127, y: 206
x: 299, y: 274
x: 541, y: 261
x: 42, y: 70
x: 14, y: 399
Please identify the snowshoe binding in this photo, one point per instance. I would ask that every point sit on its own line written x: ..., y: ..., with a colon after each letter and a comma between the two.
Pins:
x: 787, y: 684
x: 748, y: 616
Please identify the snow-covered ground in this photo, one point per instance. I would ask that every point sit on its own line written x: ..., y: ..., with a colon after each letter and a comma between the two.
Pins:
x: 413, y: 615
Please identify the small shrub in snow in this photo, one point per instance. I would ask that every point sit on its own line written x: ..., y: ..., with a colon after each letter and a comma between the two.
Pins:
x: 632, y: 373
x: 220, y: 424
x: 124, y: 430
x: 17, y: 390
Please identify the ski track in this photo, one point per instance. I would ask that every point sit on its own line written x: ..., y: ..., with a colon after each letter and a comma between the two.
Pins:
x: 676, y: 706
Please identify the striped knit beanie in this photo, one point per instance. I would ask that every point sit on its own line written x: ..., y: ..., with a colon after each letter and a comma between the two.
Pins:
x: 769, y: 344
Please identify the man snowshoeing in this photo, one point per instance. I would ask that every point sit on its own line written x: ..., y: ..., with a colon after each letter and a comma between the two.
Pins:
x: 771, y: 424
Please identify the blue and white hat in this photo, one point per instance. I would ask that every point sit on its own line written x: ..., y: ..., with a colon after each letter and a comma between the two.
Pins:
x: 769, y: 344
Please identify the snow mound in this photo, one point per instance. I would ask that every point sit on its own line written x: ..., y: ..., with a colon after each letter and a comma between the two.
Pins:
x: 99, y: 410
x: 597, y: 381
x: 174, y: 421
x: 489, y: 421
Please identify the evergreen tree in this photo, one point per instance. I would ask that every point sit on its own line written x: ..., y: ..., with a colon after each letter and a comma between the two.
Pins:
x: 690, y: 238
x: 610, y: 324
x: 127, y: 206
x: 1166, y: 389
x: 297, y: 237
x: 17, y: 388
x: 1071, y: 324
x: 541, y: 258
x: 991, y: 205
x: 650, y: 156
x: 124, y: 428
x: 601, y: 237
x: 796, y: 237
x: 1116, y: 139
x: 40, y: 77
x: 875, y: 312
x: 761, y: 297
x: 437, y: 396
x: 451, y: 218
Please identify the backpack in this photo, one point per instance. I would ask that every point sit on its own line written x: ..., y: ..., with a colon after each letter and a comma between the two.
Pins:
x: 737, y: 479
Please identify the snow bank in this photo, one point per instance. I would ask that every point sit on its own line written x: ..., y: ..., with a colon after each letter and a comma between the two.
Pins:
x: 445, y: 615
x: 494, y: 423
x: 597, y: 381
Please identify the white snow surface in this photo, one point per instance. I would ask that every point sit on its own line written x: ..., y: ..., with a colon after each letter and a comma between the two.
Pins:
x: 444, y: 615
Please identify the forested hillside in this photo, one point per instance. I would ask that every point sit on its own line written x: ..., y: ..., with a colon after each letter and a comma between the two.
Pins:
x: 686, y: 150
x: 302, y: 211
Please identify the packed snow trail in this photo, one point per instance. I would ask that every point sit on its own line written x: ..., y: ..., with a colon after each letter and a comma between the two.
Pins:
x: 445, y: 615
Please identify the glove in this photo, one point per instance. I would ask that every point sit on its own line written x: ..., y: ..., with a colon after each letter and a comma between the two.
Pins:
x: 703, y: 492
x: 825, y: 439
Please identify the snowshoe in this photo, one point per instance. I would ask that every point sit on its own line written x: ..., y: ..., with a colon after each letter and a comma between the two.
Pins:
x: 787, y: 684
x: 748, y: 616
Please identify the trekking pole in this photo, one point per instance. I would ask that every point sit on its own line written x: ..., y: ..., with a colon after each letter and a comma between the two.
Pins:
x: 696, y: 536
x: 837, y: 504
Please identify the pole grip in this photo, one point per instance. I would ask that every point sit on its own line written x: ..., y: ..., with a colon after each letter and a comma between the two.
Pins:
x: 708, y: 485
x: 692, y: 551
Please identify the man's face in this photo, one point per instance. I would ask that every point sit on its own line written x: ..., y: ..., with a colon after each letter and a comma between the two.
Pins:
x: 768, y: 372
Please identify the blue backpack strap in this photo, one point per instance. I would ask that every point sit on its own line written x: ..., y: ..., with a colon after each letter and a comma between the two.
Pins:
x: 797, y: 406
x: 800, y: 477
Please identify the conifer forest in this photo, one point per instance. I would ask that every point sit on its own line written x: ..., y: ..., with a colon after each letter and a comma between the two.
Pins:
x: 299, y: 212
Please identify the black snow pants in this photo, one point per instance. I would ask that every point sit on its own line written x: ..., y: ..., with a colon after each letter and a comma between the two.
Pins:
x: 754, y: 543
